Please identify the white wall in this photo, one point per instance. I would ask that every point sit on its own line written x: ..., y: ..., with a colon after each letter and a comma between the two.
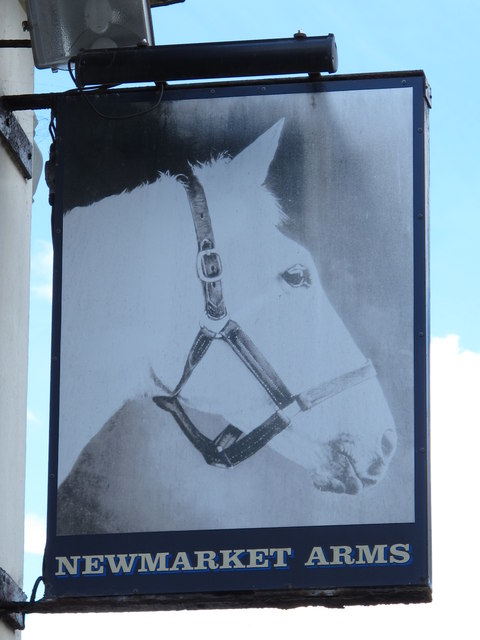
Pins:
x: 16, y: 76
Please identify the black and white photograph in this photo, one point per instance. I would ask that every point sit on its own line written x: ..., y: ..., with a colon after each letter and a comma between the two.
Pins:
x: 236, y: 344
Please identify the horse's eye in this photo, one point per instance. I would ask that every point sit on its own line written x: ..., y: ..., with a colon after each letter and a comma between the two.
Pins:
x: 297, y: 276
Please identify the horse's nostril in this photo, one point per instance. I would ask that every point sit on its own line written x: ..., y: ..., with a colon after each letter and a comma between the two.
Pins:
x: 389, y: 442
x: 376, y: 468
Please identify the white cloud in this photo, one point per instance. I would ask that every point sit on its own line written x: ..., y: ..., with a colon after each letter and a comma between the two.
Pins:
x: 35, y: 534
x: 35, y: 424
x: 455, y: 411
x: 455, y: 432
x: 43, y: 292
x: 41, y: 270
x: 32, y: 418
x: 455, y: 381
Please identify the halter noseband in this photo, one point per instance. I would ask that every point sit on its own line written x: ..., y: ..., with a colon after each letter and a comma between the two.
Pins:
x: 232, y: 446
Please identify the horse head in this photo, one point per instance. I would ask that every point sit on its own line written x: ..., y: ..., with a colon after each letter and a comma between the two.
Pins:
x: 276, y: 362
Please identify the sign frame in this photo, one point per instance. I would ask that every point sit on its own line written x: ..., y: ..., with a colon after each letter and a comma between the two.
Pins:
x: 333, y: 564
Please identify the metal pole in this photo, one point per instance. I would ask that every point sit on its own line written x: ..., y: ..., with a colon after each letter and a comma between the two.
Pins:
x: 16, y: 76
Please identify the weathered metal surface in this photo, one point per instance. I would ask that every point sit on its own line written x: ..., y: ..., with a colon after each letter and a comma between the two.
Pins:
x: 24, y: 102
x: 331, y: 598
x: 16, y: 141
x: 12, y: 602
x: 281, y: 56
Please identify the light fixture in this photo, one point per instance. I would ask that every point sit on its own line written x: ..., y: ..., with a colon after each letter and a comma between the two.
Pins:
x: 59, y: 29
x: 208, y: 60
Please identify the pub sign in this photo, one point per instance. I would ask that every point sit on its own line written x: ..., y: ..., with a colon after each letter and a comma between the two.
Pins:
x: 239, y: 406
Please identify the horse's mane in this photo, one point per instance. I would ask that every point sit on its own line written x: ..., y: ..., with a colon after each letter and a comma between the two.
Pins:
x: 213, y: 173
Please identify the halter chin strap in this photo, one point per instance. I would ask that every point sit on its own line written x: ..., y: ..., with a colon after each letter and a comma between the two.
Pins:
x: 232, y: 446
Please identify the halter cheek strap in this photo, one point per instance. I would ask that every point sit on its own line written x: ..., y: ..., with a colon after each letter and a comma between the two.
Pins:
x: 209, y: 264
x: 232, y: 446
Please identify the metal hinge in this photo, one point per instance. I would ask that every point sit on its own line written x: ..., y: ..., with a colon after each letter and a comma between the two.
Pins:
x: 11, y: 595
x: 16, y: 141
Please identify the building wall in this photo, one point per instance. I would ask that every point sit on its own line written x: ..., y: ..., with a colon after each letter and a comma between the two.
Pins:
x: 16, y: 76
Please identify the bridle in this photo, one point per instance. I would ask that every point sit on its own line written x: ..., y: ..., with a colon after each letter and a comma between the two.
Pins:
x: 232, y: 446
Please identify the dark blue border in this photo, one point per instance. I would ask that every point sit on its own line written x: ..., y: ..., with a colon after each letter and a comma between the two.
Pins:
x: 413, y: 573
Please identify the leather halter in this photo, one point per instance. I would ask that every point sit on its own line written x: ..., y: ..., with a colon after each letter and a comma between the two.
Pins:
x: 232, y: 446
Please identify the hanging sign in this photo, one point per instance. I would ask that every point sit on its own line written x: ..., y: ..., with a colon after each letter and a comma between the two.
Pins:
x: 239, y: 382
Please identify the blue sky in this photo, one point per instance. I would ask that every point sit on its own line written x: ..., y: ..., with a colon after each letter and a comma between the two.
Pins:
x: 442, y: 39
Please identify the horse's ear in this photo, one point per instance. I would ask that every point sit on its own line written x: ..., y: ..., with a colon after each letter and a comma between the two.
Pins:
x: 254, y: 161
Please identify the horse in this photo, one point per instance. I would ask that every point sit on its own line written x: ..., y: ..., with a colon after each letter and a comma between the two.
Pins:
x: 206, y: 379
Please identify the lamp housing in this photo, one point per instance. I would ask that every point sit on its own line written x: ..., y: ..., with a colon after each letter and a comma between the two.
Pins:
x: 60, y: 29
x: 208, y: 60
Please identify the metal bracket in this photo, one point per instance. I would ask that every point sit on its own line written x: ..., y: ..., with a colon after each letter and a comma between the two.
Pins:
x: 11, y: 594
x: 428, y: 94
x: 15, y: 44
x: 16, y: 142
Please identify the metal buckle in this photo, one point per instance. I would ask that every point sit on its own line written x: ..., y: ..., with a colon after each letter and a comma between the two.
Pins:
x: 214, y: 326
x: 201, y: 266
